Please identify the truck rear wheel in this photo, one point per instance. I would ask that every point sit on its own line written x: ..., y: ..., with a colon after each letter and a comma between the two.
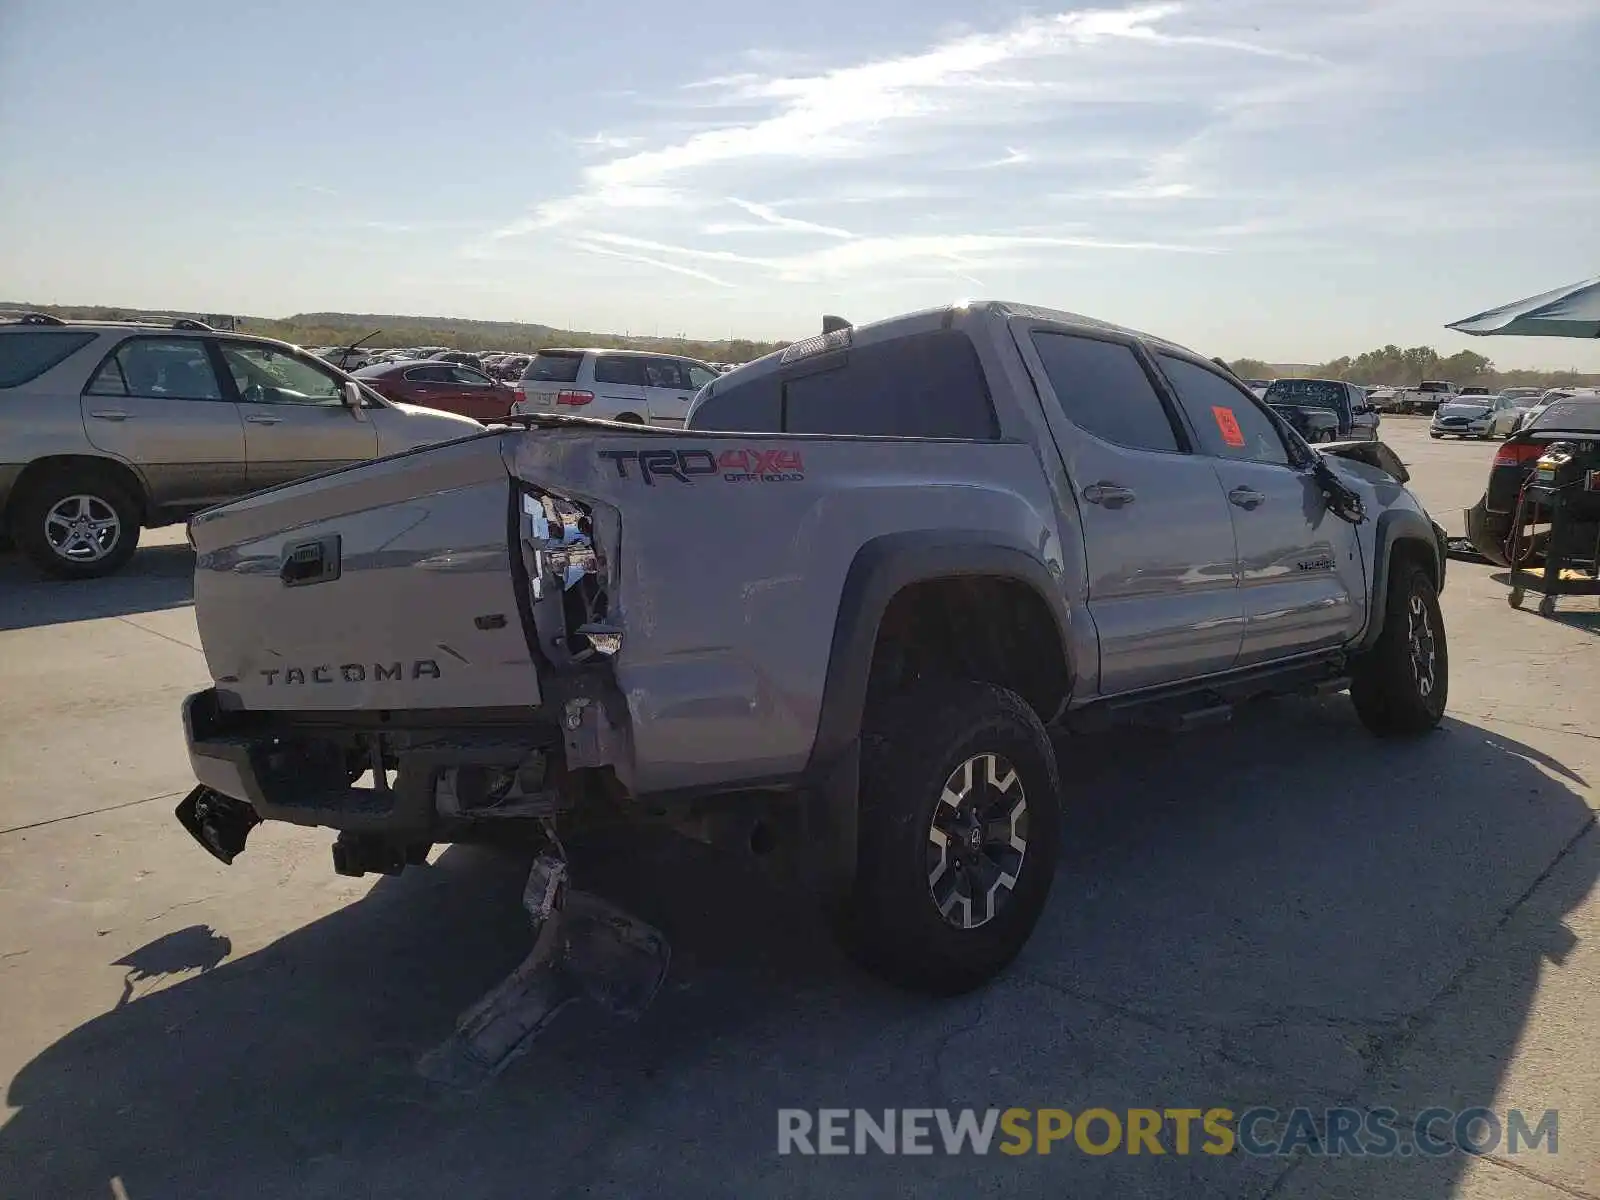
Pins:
x: 960, y: 831
x: 1400, y: 686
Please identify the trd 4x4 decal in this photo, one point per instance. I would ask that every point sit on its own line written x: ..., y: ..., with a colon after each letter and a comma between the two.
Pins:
x: 734, y: 466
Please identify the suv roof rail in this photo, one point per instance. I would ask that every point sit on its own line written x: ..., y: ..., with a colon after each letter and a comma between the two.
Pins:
x: 34, y: 318
x: 191, y: 324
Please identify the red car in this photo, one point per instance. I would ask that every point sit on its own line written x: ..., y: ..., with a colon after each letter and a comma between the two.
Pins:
x: 443, y: 385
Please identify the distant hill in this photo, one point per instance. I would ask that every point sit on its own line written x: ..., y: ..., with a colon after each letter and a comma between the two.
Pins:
x: 461, y: 333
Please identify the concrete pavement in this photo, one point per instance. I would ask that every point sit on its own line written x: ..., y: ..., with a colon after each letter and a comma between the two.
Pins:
x: 1282, y: 912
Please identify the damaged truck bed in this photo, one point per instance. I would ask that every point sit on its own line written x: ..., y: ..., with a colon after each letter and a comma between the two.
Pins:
x: 827, y: 623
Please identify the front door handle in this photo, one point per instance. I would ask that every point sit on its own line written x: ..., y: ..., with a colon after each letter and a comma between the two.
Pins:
x: 1111, y: 495
x: 263, y: 419
x: 1243, y: 497
x: 109, y: 414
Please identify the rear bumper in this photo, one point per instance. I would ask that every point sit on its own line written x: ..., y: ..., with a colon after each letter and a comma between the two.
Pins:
x: 1487, y: 532
x: 306, y: 770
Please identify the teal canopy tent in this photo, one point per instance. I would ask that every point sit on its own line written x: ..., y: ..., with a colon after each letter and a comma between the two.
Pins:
x: 1572, y: 312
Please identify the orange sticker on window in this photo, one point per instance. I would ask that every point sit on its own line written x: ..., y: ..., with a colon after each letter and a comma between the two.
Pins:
x: 1228, y: 425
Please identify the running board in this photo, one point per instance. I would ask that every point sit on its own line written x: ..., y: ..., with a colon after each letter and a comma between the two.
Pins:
x: 1210, y: 702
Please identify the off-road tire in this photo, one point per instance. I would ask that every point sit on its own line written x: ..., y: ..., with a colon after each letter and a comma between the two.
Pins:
x: 30, y: 510
x: 1396, y: 694
x: 912, y: 746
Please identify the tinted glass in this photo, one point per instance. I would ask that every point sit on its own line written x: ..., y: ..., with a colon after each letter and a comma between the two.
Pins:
x: 25, y: 356
x: 1228, y: 422
x: 666, y: 373
x: 468, y: 376
x: 553, y: 368
x: 160, y: 369
x: 930, y: 385
x: 1102, y: 388
x: 268, y: 375
x: 622, y: 369
x: 428, y: 374
x: 755, y: 406
x: 1581, y: 415
x: 1312, y: 393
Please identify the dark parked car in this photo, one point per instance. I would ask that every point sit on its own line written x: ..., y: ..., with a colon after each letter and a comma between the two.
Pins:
x: 442, y: 385
x: 1489, y: 520
x: 1324, y: 410
x: 463, y: 358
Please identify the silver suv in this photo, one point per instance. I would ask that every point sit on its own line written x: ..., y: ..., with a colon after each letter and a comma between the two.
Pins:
x: 632, y: 386
x: 109, y: 427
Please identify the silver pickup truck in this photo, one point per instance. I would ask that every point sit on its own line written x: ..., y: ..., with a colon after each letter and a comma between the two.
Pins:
x: 837, y: 620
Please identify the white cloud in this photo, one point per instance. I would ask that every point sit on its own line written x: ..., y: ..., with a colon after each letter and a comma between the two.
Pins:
x: 776, y: 219
x: 1140, y: 128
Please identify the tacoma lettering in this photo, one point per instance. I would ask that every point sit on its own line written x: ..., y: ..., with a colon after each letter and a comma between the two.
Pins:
x: 421, y: 668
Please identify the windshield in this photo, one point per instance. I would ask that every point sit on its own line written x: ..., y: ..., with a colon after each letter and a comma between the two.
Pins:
x: 1580, y: 415
x: 1314, y: 393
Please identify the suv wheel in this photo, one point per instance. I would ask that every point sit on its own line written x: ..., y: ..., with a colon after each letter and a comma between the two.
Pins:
x: 76, y: 526
x: 960, y: 830
x: 1400, y: 686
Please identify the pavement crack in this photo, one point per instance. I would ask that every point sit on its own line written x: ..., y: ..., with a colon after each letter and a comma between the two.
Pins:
x: 167, y: 637
x: 92, y: 812
x: 1519, y: 1169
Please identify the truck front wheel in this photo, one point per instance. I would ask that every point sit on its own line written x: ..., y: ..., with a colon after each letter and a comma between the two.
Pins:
x: 1400, y: 685
x: 960, y: 830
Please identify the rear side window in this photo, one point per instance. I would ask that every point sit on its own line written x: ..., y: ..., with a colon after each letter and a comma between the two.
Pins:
x: 927, y: 386
x: 26, y: 356
x: 624, y: 369
x: 428, y: 375
x: 553, y: 368
x: 1228, y: 423
x: 666, y: 373
x: 158, y: 369
x: 1103, y: 389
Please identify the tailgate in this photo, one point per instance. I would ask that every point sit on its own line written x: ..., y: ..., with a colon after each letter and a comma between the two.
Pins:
x: 384, y: 586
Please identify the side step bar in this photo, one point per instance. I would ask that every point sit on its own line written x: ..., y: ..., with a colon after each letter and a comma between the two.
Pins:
x: 1212, y: 701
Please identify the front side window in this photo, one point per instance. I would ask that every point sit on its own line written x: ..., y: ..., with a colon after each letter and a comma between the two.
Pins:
x: 1227, y: 420
x: 700, y: 376
x: 1103, y: 389
x: 468, y: 376
x: 268, y: 375
x: 428, y: 375
x: 26, y: 356
x: 158, y: 369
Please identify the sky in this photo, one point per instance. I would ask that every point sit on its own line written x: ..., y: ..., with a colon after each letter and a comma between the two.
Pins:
x: 1274, y: 178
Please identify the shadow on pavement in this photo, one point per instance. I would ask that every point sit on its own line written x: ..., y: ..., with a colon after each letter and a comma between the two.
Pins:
x: 1274, y: 905
x: 157, y: 577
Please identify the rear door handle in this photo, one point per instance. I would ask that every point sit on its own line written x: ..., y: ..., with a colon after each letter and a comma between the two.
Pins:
x: 109, y: 414
x: 261, y: 419
x: 1111, y: 495
x: 1243, y: 497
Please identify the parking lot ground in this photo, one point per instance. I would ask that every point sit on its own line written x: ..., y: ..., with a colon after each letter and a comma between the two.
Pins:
x: 1282, y: 912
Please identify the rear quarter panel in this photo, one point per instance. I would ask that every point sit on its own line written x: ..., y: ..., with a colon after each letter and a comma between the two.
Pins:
x: 733, y: 557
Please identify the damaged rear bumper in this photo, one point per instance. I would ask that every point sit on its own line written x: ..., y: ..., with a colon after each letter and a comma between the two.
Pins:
x: 407, y: 777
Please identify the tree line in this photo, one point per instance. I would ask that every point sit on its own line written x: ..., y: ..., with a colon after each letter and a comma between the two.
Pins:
x: 1390, y: 365
x: 1396, y: 367
x: 341, y: 329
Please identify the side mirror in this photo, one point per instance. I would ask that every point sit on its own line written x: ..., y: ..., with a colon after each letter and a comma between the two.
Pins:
x: 354, y: 399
